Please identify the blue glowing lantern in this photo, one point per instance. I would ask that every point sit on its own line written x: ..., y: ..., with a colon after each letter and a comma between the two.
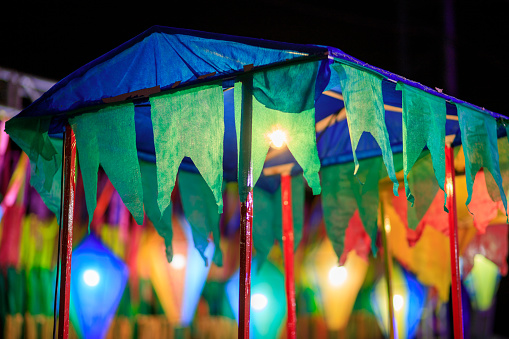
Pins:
x: 268, y: 300
x: 409, y: 296
x: 98, y: 279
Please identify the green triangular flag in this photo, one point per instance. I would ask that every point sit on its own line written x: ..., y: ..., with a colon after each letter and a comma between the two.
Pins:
x: 299, y: 130
x: 479, y: 139
x: 362, y: 93
x: 108, y: 138
x: 200, y: 210
x: 424, y: 117
x: 189, y: 123
x: 162, y: 222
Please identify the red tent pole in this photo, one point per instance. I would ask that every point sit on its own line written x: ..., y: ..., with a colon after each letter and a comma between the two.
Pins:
x: 246, y: 207
x: 288, y: 245
x: 67, y: 217
x: 457, y: 311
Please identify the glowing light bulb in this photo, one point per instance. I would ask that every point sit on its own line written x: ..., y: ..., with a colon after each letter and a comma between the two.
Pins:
x: 91, y: 277
x: 397, y: 302
x: 178, y: 262
x: 278, y: 138
x: 387, y: 225
x: 337, y: 275
x: 259, y: 301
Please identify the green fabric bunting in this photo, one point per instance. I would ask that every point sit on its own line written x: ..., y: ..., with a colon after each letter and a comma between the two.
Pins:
x: 362, y: 92
x: 491, y: 185
x: 108, y: 138
x: 189, y: 123
x: 277, y: 89
x: 424, y: 117
x: 343, y: 194
x: 300, y: 137
x: 267, y: 217
x: 421, y: 179
x: 479, y: 139
x: 162, y: 223
x: 45, y: 154
x: 201, y: 211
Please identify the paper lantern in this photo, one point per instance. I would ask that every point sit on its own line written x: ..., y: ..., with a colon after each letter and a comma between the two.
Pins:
x: 482, y: 282
x: 268, y: 300
x: 178, y: 284
x: 98, y: 279
x: 338, y: 286
x: 409, y: 296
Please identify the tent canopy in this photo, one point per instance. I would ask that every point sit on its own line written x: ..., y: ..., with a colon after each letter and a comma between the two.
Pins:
x: 164, y: 65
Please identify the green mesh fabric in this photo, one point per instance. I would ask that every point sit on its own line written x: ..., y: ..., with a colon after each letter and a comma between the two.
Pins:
x: 48, y: 182
x: 45, y: 154
x: 362, y: 93
x: 491, y: 185
x: 108, y: 138
x: 479, y: 139
x: 300, y: 137
x: 200, y: 210
x: 189, y: 123
x: 421, y: 179
x: 343, y: 194
x: 424, y: 117
x: 278, y: 90
x: 267, y: 217
x: 162, y: 223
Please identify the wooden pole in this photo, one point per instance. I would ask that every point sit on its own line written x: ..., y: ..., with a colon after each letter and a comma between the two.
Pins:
x: 246, y: 207
x: 67, y: 218
x: 457, y: 311
x: 288, y: 245
x: 386, y: 228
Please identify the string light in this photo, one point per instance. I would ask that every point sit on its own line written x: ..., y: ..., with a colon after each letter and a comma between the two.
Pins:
x: 277, y: 138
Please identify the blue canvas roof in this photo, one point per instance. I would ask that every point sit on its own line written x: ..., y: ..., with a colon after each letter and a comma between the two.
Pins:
x: 164, y: 58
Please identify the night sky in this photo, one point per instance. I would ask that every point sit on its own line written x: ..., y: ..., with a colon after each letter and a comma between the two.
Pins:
x: 406, y: 38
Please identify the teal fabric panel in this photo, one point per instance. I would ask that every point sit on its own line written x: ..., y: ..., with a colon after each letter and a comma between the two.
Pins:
x: 108, y: 138
x: 189, y: 123
x: 424, y: 117
x: 161, y: 221
x: 479, y: 139
x: 200, y: 210
x: 278, y: 89
x: 362, y: 93
x: 300, y: 138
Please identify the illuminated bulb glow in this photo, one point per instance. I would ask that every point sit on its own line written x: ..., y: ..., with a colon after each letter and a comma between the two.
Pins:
x: 337, y: 275
x: 178, y: 262
x: 259, y: 301
x: 387, y: 225
x: 91, y: 277
x: 397, y: 302
x: 278, y: 138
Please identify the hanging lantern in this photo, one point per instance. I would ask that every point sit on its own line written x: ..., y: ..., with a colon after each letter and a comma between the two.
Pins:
x: 338, y: 285
x: 98, y: 280
x: 268, y: 300
x: 408, y: 300
x: 178, y: 284
x: 482, y: 282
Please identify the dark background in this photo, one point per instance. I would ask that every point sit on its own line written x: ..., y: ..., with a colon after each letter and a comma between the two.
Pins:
x: 405, y: 37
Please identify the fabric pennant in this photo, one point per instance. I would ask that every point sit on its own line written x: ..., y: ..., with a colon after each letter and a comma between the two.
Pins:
x: 479, y: 139
x: 343, y: 194
x: 362, y: 92
x: 200, y: 210
x: 189, y: 123
x: 161, y: 221
x: 277, y: 89
x: 268, y: 219
x: 45, y: 154
x: 299, y: 130
x: 424, y: 118
x: 108, y: 138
